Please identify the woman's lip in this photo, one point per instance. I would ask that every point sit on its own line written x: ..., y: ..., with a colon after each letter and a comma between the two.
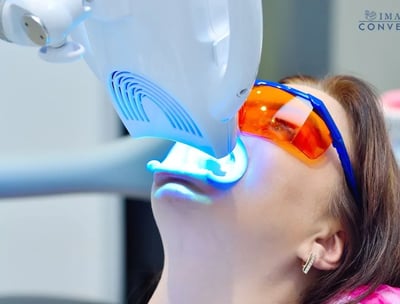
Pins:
x: 177, y: 187
x: 162, y: 178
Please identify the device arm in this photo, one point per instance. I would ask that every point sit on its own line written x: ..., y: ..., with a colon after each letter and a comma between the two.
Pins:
x: 44, y: 23
x: 118, y: 167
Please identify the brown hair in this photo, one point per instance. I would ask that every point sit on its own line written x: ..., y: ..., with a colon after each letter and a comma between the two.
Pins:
x: 372, y: 252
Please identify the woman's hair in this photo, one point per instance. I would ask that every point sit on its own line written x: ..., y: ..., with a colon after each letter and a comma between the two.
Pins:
x: 372, y: 250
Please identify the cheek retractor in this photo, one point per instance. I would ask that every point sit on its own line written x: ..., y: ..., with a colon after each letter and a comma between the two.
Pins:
x: 189, y: 161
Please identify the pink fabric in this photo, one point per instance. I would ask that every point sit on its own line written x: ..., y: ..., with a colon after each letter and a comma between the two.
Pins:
x: 391, y: 99
x: 384, y: 294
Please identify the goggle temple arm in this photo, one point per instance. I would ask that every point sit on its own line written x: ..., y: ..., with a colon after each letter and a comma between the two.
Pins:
x: 338, y: 144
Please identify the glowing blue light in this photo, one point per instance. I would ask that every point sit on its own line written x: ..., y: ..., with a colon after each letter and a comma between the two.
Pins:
x: 186, y: 160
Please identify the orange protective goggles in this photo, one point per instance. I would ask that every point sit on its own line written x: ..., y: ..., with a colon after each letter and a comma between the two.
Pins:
x: 285, y: 115
x: 281, y: 117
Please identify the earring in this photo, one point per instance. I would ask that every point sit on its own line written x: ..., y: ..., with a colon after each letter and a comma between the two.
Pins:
x: 308, y: 264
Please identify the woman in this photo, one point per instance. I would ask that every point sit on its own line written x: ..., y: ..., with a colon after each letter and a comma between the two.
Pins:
x: 302, y: 225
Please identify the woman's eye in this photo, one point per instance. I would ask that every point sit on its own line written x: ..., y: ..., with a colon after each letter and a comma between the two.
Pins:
x: 282, y: 129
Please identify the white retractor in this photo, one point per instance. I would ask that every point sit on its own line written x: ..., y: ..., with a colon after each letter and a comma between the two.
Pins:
x: 175, y: 69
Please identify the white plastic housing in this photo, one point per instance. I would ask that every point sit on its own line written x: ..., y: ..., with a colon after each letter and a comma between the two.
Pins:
x: 176, y: 69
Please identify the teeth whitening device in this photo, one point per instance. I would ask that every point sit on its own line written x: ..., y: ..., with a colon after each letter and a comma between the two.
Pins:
x: 175, y: 69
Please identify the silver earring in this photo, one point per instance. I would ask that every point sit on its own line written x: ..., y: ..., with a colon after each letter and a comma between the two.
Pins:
x: 308, y: 264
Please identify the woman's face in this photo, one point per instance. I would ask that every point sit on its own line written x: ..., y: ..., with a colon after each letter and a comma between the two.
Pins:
x: 280, y: 201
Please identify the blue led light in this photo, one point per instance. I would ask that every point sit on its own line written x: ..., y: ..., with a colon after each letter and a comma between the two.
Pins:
x: 189, y: 161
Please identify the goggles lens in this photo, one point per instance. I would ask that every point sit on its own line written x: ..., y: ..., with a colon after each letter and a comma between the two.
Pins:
x: 284, y: 118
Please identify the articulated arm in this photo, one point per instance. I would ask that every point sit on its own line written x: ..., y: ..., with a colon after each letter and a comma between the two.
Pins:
x: 45, y: 24
x: 118, y: 167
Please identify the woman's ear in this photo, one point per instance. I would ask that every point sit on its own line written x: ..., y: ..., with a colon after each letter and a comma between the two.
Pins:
x: 327, y: 247
x: 329, y: 251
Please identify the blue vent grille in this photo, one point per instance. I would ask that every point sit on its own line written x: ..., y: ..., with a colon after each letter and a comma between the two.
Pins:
x: 131, y: 90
